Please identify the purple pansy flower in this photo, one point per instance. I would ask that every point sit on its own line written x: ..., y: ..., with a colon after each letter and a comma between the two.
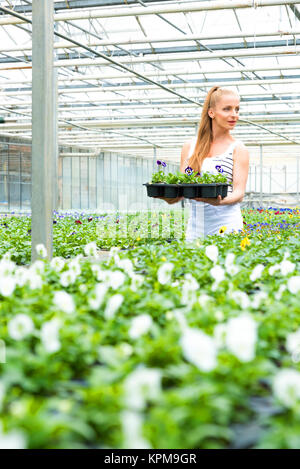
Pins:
x: 158, y: 162
x: 219, y: 169
x: 163, y: 164
x: 188, y: 171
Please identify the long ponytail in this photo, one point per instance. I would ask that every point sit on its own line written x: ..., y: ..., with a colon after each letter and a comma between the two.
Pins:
x: 205, y: 134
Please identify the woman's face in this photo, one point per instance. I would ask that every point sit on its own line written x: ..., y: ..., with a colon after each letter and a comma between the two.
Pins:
x: 225, y: 113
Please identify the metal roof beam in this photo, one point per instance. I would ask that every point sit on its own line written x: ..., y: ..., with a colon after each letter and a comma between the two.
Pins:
x: 154, y: 39
x: 157, y: 9
x: 169, y: 50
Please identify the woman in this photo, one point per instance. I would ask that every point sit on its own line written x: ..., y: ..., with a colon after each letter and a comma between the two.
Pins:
x: 215, y: 150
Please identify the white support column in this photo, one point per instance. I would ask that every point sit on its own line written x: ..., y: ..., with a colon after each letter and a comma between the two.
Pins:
x: 43, y: 151
x: 56, y: 169
x: 261, y: 175
x: 298, y: 200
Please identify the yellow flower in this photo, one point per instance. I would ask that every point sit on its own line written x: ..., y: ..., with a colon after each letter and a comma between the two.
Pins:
x: 245, y: 242
x: 222, y: 229
x: 138, y: 238
x: 163, y: 258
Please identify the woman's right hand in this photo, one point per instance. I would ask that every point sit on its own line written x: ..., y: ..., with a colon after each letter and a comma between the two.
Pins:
x: 170, y: 201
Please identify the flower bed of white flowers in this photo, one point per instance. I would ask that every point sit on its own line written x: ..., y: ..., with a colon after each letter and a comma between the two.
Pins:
x: 171, y: 346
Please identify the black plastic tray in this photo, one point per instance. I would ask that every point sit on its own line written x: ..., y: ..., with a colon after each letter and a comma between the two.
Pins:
x: 169, y: 191
x: 189, y: 191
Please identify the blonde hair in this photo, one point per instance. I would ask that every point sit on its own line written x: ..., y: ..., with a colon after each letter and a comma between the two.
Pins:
x: 205, y: 135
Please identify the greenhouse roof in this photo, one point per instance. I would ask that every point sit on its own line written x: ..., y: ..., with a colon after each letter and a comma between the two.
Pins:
x: 132, y: 75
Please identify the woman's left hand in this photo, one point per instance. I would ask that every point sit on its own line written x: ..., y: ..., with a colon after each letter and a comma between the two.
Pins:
x: 210, y: 200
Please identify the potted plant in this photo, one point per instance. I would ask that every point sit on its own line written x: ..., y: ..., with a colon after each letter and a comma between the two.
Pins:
x: 188, y: 184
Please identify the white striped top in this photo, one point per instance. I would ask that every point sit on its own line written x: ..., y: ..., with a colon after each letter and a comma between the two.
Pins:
x: 225, y: 160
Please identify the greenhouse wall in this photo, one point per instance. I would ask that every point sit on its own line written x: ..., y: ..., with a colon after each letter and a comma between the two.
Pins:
x: 108, y: 181
x: 104, y: 181
x: 112, y: 181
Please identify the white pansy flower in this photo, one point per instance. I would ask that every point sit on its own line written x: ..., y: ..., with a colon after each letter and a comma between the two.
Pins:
x: 7, y: 286
x: 21, y: 276
x: 199, y: 349
x: 2, y: 393
x: 241, y: 337
x: 189, y: 287
x: 169, y: 315
x: 287, y: 267
x: 203, y: 299
x: 50, y: 336
x: 140, y: 325
x: 38, y: 267
x: 219, y: 315
x: 101, y: 275
x: 217, y: 273
x: 241, y: 298
x: 34, y: 280
x: 274, y: 268
x: 279, y: 292
x: 175, y: 284
x: 258, y: 298
x: 293, y: 345
x: 136, y: 281
x: 132, y: 428
x: 6, y: 256
x: 114, y: 250
x: 20, y: 327
x: 57, y: 264
x: 74, y: 266
x: 190, y: 282
x: 229, y: 259
x: 126, y: 265
x: 41, y: 250
x: 63, y: 301
x: 232, y: 270
x: 91, y: 249
x: 286, y: 387
x: 212, y: 252
x: 164, y: 273
x: 67, y: 278
x: 113, y: 253
x: 286, y: 255
x: 180, y: 318
x: 293, y: 284
x: 7, y: 267
x: 97, y: 297
x: 141, y: 385
x: 230, y: 267
x: 220, y: 333
x: 83, y: 288
x: 116, y: 279
x: 257, y: 272
x: 126, y: 349
x: 14, y: 439
x: 113, y: 305
x: 188, y: 297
